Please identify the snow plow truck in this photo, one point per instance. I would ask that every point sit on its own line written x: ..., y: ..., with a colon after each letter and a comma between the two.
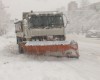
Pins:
x: 43, y: 33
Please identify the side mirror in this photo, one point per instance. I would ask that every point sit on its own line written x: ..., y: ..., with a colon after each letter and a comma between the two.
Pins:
x: 67, y: 22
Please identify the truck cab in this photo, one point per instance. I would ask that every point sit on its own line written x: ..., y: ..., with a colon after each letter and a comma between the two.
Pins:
x: 49, y: 26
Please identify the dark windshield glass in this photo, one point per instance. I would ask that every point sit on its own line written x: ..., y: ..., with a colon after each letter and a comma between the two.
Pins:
x: 45, y: 21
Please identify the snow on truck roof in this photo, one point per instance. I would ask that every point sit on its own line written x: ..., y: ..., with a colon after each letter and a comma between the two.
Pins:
x: 44, y: 13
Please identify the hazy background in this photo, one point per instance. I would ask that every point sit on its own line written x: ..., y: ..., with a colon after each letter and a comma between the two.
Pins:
x: 16, y: 7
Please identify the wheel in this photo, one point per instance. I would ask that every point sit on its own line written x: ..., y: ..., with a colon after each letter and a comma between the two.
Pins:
x: 19, y: 40
x: 20, y: 49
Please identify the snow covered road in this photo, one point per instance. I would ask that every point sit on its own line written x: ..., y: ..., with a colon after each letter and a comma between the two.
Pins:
x: 15, y: 66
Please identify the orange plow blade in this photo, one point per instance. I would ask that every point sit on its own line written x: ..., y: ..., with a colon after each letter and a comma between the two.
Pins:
x: 59, y: 49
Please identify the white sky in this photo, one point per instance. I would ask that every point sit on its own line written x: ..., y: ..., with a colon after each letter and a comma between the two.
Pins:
x: 16, y: 7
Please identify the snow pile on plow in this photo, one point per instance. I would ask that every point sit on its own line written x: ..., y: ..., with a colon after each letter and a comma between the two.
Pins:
x: 42, y: 43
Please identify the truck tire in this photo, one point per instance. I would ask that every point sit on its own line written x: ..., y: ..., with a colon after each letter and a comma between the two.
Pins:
x: 19, y: 40
x: 21, y: 51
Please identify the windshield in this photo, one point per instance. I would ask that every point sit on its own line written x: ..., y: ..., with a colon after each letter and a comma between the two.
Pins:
x: 46, y: 21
